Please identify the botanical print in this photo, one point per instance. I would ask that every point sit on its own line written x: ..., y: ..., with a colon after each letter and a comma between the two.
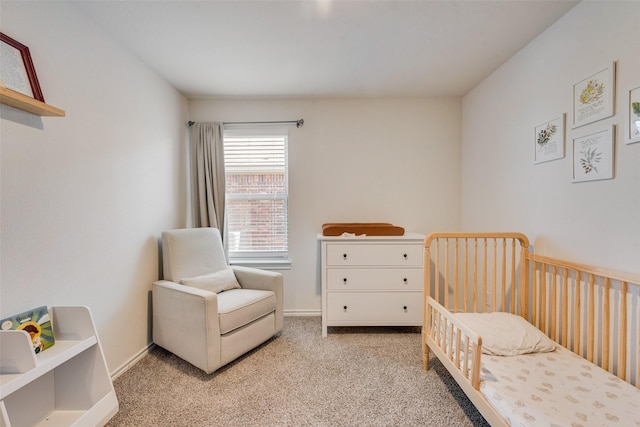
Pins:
x: 634, y: 116
x: 593, y: 156
x: 549, y: 139
x: 589, y: 158
x: 593, y: 97
x: 592, y: 92
x: 545, y: 134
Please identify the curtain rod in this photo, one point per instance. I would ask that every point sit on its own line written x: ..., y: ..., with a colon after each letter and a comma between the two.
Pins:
x: 297, y: 122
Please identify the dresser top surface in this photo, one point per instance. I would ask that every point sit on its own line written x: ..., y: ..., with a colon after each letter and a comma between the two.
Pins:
x: 407, y: 237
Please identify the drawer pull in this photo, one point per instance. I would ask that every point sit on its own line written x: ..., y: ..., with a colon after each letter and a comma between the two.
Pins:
x: 344, y: 256
x: 345, y: 308
x: 405, y: 256
x: 405, y: 280
x: 404, y: 308
x: 344, y: 281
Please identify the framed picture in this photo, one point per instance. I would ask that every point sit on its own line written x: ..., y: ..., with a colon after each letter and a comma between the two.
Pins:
x: 593, y: 156
x: 549, y: 140
x: 634, y: 116
x: 594, y: 97
x: 16, y: 69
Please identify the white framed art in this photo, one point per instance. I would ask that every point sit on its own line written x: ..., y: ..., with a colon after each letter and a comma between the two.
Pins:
x: 549, y: 140
x: 633, y: 134
x: 594, y: 97
x: 593, y: 156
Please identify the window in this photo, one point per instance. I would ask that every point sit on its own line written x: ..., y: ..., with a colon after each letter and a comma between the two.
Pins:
x: 256, y: 196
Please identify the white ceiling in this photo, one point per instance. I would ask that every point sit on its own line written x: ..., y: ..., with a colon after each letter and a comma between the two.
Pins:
x: 324, y: 48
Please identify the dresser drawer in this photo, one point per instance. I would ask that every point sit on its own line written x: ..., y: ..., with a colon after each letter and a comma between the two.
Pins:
x: 393, y: 279
x: 375, y: 307
x: 374, y: 254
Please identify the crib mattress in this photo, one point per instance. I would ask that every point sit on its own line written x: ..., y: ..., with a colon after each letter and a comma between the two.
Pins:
x: 558, y: 388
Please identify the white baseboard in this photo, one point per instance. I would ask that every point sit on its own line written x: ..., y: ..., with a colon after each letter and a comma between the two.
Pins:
x: 135, y: 359
x: 302, y: 313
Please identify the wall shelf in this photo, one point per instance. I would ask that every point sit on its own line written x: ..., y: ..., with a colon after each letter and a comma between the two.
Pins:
x: 65, y: 385
x: 26, y: 103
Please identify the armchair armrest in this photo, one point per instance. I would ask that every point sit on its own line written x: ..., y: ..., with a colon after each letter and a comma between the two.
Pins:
x: 185, y: 322
x: 254, y: 278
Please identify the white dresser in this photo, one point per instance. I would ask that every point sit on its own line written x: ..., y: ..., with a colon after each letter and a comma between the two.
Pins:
x: 372, y: 281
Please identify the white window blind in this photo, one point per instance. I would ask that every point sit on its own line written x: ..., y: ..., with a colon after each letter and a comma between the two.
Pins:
x: 256, y: 194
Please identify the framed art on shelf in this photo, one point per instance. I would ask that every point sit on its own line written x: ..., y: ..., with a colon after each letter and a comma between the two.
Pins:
x: 16, y: 69
x: 593, y: 156
x: 594, y: 97
x: 634, y: 116
x: 549, y: 140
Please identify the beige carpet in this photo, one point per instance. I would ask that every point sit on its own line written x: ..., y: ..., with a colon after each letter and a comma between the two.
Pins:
x: 354, y: 377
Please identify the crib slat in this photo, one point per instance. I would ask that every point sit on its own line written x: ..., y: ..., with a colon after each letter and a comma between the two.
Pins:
x: 591, y: 319
x: 513, y: 276
x: 504, y: 275
x: 484, y: 278
x: 534, y: 297
x: 465, y: 289
x: 543, y: 297
x: 605, y: 325
x: 475, y: 275
x: 465, y: 366
x: 494, y: 275
x: 475, y: 379
x: 622, y: 363
x: 455, y: 277
x: 446, y: 274
x: 576, y: 315
x: 553, y: 279
x: 436, y: 277
x: 458, y: 352
x: 524, y: 282
x: 449, y: 340
x: 565, y: 306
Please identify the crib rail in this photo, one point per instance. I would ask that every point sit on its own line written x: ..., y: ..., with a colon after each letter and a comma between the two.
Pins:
x: 455, y: 341
x: 592, y: 311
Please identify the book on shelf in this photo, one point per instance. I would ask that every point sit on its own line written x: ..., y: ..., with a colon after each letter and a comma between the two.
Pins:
x: 37, y: 323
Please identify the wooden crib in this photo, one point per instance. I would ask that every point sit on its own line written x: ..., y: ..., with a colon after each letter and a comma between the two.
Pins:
x: 592, y: 312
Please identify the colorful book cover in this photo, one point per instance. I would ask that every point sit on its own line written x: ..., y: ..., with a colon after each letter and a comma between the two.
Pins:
x: 36, y: 323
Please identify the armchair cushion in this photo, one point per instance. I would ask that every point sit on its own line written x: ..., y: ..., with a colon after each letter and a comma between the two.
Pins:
x: 237, y: 308
x: 223, y: 280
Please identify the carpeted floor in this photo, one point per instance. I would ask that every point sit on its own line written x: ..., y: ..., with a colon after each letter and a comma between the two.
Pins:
x: 354, y: 377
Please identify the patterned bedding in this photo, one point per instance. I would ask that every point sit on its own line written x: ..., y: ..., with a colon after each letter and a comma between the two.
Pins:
x: 557, y: 389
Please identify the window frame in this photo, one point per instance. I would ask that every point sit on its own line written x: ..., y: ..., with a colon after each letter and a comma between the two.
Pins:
x: 276, y: 259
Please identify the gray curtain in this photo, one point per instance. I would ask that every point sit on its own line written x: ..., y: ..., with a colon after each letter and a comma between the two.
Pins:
x: 208, y: 175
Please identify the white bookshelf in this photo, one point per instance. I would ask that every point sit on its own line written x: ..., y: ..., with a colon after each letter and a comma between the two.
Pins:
x: 65, y: 385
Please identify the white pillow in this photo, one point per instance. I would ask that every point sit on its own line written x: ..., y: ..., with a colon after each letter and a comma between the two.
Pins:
x: 223, y: 280
x: 506, y: 334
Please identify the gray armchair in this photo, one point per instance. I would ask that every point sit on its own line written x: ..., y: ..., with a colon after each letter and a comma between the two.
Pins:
x: 205, y: 311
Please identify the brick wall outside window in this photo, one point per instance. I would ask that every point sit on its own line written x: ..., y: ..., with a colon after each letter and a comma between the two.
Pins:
x: 256, y: 211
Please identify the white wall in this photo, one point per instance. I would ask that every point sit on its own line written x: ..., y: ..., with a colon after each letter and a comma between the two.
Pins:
x: 84, y: 197
x: 592, y: 222
x: 371, y: 160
